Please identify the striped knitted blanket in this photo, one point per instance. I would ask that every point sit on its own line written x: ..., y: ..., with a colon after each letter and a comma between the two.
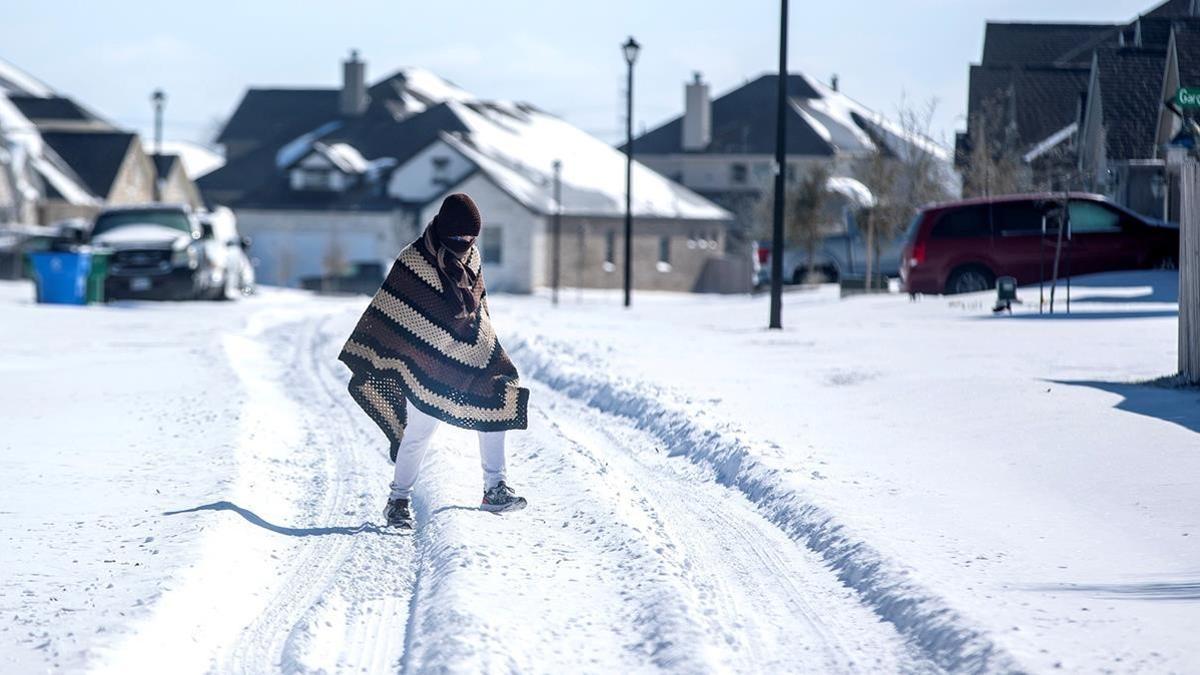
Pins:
x: 413, y: 344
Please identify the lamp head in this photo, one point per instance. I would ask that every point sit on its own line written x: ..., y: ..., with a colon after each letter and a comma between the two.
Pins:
x: 631, y: 49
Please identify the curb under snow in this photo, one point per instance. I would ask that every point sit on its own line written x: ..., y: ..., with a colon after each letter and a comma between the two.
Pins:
x: 945, y: 636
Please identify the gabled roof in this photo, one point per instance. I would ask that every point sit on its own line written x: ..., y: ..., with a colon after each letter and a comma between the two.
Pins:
x: 743, y: 121
x: 264, y: 115
x: 1023, y: 44
x: 1187, y: 48
x: 95, y: 156
x: 516, y: 146
x: 1174, y: 8
x: 164, y: 164
x: 46, y: 110
x: 1044, y: 98
x: 378, y: 133
x: 14, y: 81
x: 1130, y: 81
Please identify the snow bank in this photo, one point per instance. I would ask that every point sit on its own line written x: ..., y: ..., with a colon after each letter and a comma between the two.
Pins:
x: 949, y: 638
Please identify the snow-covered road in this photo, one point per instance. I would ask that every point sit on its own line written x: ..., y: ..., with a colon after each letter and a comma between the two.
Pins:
x: 628, y: 560
x: 885, y: 486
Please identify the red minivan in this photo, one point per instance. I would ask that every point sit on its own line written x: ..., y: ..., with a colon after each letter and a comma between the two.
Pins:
x: 962, y: 247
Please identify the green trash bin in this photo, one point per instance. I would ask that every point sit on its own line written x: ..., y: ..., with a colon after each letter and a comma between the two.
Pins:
x: 97, y: 275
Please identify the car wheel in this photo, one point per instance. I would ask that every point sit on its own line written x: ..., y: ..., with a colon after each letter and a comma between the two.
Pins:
x: 970, y: 279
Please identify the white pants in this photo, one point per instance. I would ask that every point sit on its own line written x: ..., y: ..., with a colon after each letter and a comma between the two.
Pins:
x: 417, y: 435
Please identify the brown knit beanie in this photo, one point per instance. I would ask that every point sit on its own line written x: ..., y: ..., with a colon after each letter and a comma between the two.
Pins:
x: 458, y: 217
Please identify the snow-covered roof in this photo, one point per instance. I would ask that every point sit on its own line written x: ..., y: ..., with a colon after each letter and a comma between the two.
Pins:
x: 430, y: 88
x: 852, y: 190
x: 294, y: 150
x: 344, y: 156
x: 13, y: 80
x: 516, y: 147
x: 840, y: 120
x: 30, y: 151
x: 1052, y: 141
x: 197, y: 159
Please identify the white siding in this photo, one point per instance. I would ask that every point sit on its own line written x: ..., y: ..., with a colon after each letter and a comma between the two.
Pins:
x: 523, y: 261
x: 289, y: 245
x: 418, y: 180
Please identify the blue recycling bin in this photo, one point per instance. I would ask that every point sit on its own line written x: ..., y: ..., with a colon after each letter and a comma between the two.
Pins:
x: 61, y: 277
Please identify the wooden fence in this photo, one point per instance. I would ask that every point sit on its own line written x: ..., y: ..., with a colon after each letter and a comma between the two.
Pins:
x: 1189, y: 274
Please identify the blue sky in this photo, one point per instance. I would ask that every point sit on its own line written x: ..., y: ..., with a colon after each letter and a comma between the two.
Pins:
x: 563, y: 56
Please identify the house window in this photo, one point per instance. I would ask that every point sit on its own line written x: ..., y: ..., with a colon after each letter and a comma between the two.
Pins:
x: 323, y: 180
x: 491, y: 244
x: 664, y: 254
x: 738, y: 173
x: 440, y: 166
x: 610, y: 251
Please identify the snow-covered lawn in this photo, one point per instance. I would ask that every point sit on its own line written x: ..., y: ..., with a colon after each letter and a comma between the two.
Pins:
x: 883, y: 486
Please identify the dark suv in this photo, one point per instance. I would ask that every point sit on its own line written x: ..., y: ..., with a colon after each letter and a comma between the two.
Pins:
x: 157, y: 250
x: 962, y: 247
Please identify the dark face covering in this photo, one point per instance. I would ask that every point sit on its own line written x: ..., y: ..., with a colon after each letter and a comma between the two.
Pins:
x: 451, y: 255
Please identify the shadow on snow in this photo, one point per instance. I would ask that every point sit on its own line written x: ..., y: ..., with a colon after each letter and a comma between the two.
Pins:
x: 255, y: 519
x: 1178, y: 406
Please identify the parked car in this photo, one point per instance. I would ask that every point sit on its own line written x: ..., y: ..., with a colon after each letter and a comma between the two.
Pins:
x: 962, y: 247
x: 839, y: 256
x: 160, y: 251
x: 229, y: 253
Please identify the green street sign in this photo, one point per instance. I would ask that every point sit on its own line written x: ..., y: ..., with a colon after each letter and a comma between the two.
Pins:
x: 1188, y: 97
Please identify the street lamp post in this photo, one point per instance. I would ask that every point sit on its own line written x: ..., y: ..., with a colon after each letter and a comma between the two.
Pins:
x: 780, y: 176
x: 159, y: 99
x: 630, y: 49
x: 555, y: 264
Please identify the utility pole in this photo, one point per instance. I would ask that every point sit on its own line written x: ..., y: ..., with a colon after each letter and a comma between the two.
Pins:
x: 630, y: 49
x: 554, y: 270
x: 159, y: 99
x: 780, y: 175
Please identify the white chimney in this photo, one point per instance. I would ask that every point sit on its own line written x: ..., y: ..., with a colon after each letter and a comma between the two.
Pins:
x: 697, y: 115
x: 353, y: 99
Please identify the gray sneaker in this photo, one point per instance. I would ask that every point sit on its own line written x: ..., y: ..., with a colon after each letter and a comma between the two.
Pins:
x: 502, y: 498
x: 397, y: 514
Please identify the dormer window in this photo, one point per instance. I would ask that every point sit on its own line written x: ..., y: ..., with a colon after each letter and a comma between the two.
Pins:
x: 327, y: 168
x: 317, y: 180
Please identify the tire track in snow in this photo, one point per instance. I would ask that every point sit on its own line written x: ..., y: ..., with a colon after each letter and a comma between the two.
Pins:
x: 618, y: 567
x: 776, y: 606
x: 334, y: 610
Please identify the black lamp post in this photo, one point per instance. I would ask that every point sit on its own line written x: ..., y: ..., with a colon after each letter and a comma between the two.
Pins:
x: 159, y: 99
x: 780, y: 176
x: 630, y: 49
x: 555, y: 265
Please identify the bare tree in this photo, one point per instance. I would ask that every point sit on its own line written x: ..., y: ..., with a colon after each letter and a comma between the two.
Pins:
x: 993, y: 164
x: 903, y: 177
x: 806, y: 212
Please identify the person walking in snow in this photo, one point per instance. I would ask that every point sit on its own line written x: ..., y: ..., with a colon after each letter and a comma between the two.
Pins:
x: 424, y: 352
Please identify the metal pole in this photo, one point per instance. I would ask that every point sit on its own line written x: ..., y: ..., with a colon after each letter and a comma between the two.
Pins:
x: 629, y: 184
x: 780, y: 175
x: 159, y: 98
x: 557, y: 231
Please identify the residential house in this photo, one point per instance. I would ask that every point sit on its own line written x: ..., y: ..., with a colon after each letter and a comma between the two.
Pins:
x: 1080, y: 106
x: 1173, y: 138
x: 325, y: 181
x: 172, y: 182
x: 724, y: 148
x: 68, y: 162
